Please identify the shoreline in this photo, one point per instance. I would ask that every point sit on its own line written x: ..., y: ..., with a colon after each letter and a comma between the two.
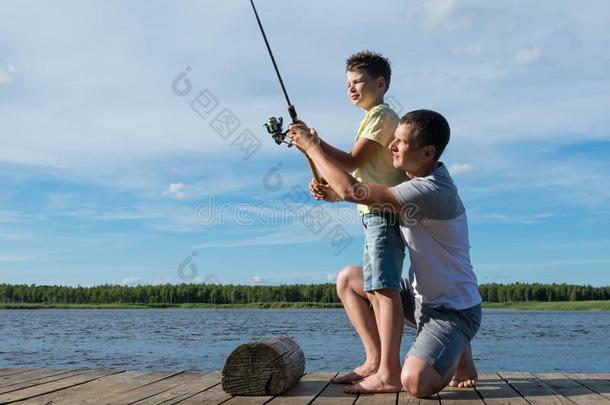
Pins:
x: 523, y: 306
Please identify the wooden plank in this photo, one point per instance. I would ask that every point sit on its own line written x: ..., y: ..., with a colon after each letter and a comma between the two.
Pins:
x: 495, y: 391
x: 377, y: 399
x: 572, y: 390
x: 532, y: 389
x: 248, y: 400
x: 48, y: 386
x: 190, y: 383
x: 212, y: 396
x: 597, y: 382
x: 333, y: 395
x: 30, y: 375
x: 101, y: 389
x: 43, y: 380
x: 163, y: 381
x: 405, y: 398
x: 9, y: 371
x: 78, y: 378
x: 460, y: 396
x: 305, y: 390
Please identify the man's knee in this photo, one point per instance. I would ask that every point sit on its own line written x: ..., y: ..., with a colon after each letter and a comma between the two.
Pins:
x: 416, y: 384
x: 419, y: 379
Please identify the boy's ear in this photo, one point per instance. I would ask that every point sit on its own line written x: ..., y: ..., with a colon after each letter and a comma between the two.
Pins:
x: 381, y: 82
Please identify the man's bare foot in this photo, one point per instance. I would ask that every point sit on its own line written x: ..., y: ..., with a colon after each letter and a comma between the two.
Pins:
x: 358, y: 374
x: 466, y: 374
x: 374, y: 384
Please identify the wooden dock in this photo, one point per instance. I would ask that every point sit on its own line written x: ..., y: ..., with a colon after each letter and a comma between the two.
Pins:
x: 48, y: 386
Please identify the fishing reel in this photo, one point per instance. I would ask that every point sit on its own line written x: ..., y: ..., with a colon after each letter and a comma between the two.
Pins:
x: 274, y: 127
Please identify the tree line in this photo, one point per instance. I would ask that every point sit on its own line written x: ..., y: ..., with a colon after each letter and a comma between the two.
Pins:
x: 243, y: 294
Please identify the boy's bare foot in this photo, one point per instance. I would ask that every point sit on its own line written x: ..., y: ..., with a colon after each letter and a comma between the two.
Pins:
x: 374, y: 384
x: 466, y: 373
x: 358, y: 374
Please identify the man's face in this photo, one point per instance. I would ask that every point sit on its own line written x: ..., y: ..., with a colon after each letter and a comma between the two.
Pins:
x: 362, y: 89
x: 406, y: 153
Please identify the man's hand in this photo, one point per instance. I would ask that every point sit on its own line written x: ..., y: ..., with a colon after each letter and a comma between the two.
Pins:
x: 304, y: 138
x: 322, y: 191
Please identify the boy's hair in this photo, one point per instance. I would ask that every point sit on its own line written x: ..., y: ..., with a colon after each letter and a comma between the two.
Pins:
x: 431, y: 129
x: 372, y: 63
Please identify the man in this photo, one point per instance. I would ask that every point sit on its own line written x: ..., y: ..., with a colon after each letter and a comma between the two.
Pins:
x: 446, y: 307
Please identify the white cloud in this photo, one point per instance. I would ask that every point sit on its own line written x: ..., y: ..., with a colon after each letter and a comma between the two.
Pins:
x: 460, y: 168
x: 7, y: 217
x: 526, y: 55
x: 131, y: 280
x: 159, y: 282
x: 432, y: 13
x: 468, y: 50
x: 7, y: 74
x: 15, y: 258
x: 14, y: 235
x: 543, y: 264
x: 280, y: 238
x: 510, y: 218
x: 256, y: 280
x: 331, y: 277
x: 175, y: 189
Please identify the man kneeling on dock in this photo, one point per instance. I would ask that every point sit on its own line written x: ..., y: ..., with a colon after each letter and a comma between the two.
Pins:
x: 442, y: 298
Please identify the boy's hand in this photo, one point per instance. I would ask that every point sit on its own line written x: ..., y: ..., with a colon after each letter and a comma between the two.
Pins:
x: 322, y: 191
x: 304, y: 138
x: 300, y: 123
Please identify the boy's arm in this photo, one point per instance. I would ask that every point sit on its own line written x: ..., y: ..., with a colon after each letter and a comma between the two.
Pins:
x: 361, y: 151
x: 346, y: 187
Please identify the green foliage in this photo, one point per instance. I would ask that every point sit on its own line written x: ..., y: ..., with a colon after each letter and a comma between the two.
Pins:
x: 552, y: 306
x: 521, y: 292
x: 282, y: 295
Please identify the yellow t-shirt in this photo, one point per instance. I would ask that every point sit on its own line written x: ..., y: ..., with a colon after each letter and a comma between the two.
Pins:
x: 378, y: 125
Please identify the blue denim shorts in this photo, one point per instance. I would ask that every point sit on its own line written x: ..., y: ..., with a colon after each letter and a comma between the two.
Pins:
x: 384, y: 251
x: 442, y: 333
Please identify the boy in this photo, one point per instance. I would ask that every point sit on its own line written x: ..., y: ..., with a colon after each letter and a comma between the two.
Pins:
x: 368, y: 79
x: 447, y: 307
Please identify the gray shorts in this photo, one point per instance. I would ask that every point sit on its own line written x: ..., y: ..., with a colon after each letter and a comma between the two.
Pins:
x: 442, y: 333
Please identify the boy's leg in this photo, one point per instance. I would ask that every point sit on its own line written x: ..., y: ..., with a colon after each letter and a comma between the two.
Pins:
x: 389, y: 315
x: 383, y: 260
x: 360, y: 313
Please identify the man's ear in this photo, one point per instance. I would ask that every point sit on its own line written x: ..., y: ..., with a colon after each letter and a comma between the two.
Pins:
x: 429, y: 152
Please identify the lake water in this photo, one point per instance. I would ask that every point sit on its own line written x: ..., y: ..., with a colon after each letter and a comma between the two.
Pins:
x: 201, y: 339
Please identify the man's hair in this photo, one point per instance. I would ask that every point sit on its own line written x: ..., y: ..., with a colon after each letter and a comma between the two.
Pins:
x: 372, y: 63
x: 431, y: 129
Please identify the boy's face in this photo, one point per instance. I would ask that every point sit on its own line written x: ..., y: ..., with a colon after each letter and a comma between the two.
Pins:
x: 363, y: 90
x: 406, y: 152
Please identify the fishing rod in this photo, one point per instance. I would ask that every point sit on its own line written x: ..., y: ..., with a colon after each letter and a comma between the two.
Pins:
x: 273, y: 124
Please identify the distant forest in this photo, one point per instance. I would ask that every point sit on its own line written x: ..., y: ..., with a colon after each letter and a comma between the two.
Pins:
x: 242, y: 294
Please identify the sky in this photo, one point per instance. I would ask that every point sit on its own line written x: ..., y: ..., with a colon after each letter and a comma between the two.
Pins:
x: 132, y: 149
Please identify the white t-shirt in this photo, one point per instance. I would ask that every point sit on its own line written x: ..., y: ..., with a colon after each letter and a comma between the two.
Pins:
x: 435, y: 229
